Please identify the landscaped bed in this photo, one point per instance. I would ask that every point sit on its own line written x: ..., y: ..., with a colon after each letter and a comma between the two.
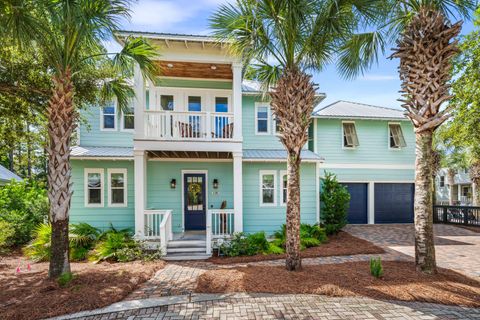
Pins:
x: 341, y: 244
x: 400, y: 282
x: 30, y: 295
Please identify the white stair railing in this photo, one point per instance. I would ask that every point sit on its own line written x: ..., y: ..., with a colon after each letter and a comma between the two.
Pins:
x: 220, y: 224
x: 158, y: 225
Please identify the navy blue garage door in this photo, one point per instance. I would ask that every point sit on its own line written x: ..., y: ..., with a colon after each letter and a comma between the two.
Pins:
x: 394, y: 202
x: 357, y: 213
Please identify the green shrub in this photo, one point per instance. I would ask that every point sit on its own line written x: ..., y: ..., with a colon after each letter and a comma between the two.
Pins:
x: 335, y: 201
x: 376, y: 268
x: 243, y: 244
x: 39, y: 248
x: 7, y: 232
x: 64, y: 279
x: 23, y: 205
x: 310, y: 236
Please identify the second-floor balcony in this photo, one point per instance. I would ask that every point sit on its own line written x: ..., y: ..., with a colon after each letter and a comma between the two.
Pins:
x: 176, y: 125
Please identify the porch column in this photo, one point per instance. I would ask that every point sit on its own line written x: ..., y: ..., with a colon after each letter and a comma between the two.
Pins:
x: 139, y: 103
x: 238, y: 191
x: 237, y: 100
x: 140, y: 163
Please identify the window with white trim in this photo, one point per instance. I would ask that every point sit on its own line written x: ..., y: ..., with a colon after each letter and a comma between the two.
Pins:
x: 94, y: 187
x: 284, y: 182
x: 442, y: 181
x: 221, y: 104
x: 167, y: 102
x: 396, y: 139
x: 276, y: 124
x: 109, y: 117
x: 350, y: 138
x: 268, y: 188
x: 262, y: 119
x: 128, y: 119
x: 117, y: 187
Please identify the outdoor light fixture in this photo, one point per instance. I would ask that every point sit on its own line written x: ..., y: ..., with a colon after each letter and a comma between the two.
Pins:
x: 213, y: 67
x: 173, y: 184
x: 169, y: 65
x: 215, y: 183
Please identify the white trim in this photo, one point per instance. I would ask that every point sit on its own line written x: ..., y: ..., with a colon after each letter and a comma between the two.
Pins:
x: 86, y: 172
x: 281, y: 160
x: 190, y: 160
x: 366, y: 166
x: 238, y: 191
x: 183, y: 194
x: 282, y: 173
x: 102, y: 158
x: 195, y: 79
x: 376, y: 181
x: 122, y: 122
x: 371, y: 203
x: 262, y: 173
x: 317, y: 192
x: 114, y: 118
x: 125, y: 187
x: 262, y: 105
x: 315, y: 129
x: 343, y: 135
x: 175, y: 145
x: 360, y: 118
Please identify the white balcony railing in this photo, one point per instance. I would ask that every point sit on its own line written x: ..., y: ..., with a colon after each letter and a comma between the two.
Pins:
x: 220, y: 224
x: 158, y: 225
x: 174, y: 125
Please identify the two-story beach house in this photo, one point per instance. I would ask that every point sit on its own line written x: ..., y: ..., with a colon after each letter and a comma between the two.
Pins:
x: 455, y: 192
x: 198, y: 156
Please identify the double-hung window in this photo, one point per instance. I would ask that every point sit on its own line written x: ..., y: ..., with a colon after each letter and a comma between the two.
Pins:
x: 109, y: 117
x: 396, y: 139
x: 442, y: 181
x: 93, y: 187
x: 117, y: 187
x: 128, y: 121
x: 268, y: 189
x: 262, y: 119
x: 221, y: 104
x: 194, y: 103
x: 284, y: 182
x: 350, y: 138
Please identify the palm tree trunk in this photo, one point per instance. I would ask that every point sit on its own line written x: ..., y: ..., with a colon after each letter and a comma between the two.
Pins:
x: 61, y: 117
x: 292, y: 245
x: 424, y: 243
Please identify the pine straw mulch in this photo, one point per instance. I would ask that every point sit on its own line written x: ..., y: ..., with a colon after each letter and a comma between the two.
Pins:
x: 30, y: 295
x: 341, y: 244
x: 400, y: 282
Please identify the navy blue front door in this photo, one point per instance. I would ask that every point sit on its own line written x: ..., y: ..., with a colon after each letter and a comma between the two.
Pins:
x: 194, y: 206
x: 357, y: 213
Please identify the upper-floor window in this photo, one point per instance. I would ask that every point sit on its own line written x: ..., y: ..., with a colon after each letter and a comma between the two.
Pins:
x: 262, y: 119
x: 442, y: 181
x: 128, y: 119
x: 350, y: 138
x: 268, y: 190
x: 284, y: 177
x: 194, y: 103
x: 221, y: 104
x: 396, y: 139
x: 93, y: 187
x: 117, y: 187
x: 109, y: 116
x: 166, y: 102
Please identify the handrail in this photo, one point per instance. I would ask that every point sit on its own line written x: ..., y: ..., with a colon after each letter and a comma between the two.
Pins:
x: 156, y: 228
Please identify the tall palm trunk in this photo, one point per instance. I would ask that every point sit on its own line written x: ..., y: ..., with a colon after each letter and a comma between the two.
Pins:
x: 425, y: 50
x: 61, y: 123
x: 292, y: 105
x: 475, y: 177
x: 451, y: 185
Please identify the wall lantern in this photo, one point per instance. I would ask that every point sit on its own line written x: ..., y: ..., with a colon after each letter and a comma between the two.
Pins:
x: 215, y: 183
x: 173, y: 184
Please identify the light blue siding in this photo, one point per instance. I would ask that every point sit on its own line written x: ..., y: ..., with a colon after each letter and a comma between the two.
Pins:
x: 376, y: 175
x: 92, y: 136
x: 269, y: 219
x: 122, y: 217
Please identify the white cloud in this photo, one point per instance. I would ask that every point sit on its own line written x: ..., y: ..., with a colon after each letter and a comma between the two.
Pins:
x: 378, y: 77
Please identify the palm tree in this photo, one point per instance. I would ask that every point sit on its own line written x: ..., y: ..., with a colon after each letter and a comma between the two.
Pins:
x: 285, y: 40
x: 425, y: 46
x: 69, y: 34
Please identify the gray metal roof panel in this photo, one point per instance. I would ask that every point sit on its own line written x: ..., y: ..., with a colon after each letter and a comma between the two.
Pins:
x: 7, y: 175
x: 348, y: 109
x: 107, y: 152
x: 259, y: 154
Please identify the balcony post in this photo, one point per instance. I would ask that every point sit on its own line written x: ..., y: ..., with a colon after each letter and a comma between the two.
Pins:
x: 140, y: 165
x: 139, y: 106
x: 237, y: 100
x: 238, y: 191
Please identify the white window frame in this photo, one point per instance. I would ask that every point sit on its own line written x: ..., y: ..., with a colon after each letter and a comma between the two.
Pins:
x: 388, y: 136
x: 275, y: 189
x: 282, y: 174
x: 102, y: 123
x: 194, y: 93
x: 122, y: 126
x: 343, y: 136
x: 269, y: 119
x: 441, y: 182
x: 125, y: 187
x: 87, y: 171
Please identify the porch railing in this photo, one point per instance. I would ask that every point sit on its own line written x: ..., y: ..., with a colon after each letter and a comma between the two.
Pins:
x: 466, y: 215
x: 174, y: 125
x: 220, y: 224
x: 158, y: 225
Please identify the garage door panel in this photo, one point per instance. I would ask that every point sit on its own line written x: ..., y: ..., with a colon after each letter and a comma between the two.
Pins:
x: 394, y: 202
x: 357, y: 213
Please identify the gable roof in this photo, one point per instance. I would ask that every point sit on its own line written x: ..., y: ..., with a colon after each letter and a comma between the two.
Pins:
x: 347, y: 110
x: 7, y: 175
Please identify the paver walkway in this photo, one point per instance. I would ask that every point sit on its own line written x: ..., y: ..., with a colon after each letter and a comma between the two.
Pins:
x: 456, y: 248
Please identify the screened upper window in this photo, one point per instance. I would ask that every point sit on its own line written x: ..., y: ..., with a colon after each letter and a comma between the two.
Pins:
x: 396, y: 136
x: 194, y: 103
x: 108, y: 117
x: 221, y: 104
x: 128, y: 119
x: 166, y: 102
x: 350, y: 138
x: 262, y: 119
x: 267, y: 195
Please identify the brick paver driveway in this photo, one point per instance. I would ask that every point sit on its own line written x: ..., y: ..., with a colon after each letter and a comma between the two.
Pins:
x: 456, y: 248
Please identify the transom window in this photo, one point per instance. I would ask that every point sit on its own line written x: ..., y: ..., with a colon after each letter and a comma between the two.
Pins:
x: 194, y: 103
x: 350, y: 138
x: 94, y: 187
x: 108, y: 117
x: 117, y: 187
x: 128, y: 121
x: 262, y: 119
x: 221, y: 104
x: 396, y: 138
x: 167, y: 102
x: 268, y: 188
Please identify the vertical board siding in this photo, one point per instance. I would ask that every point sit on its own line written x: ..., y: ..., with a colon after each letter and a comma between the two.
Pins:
x: 92, y: 136
x: 269, y: 219
x: 119, y: 217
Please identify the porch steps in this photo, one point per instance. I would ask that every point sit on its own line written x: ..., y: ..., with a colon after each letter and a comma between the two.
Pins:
x: 186, y: 250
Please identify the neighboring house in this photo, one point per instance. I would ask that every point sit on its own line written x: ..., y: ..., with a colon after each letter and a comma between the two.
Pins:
x: 6, y: 176
x: 199, y: 152
x: 462, y: 188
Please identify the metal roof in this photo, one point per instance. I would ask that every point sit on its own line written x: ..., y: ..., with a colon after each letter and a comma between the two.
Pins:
x: 7, y: 175
x: 101, y: 152
x: 167, y: 36
x: 348, y: 109
x: 263, y: 154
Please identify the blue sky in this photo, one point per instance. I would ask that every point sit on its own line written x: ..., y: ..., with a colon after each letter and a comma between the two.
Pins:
x: 378, y: 86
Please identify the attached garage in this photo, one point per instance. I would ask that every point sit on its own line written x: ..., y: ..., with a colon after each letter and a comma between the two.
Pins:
x: 358, y: 211
x: 394, y: 202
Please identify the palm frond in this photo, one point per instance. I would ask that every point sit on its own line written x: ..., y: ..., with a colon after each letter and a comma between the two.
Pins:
x: 137, y: 50
x: 119, y: 89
